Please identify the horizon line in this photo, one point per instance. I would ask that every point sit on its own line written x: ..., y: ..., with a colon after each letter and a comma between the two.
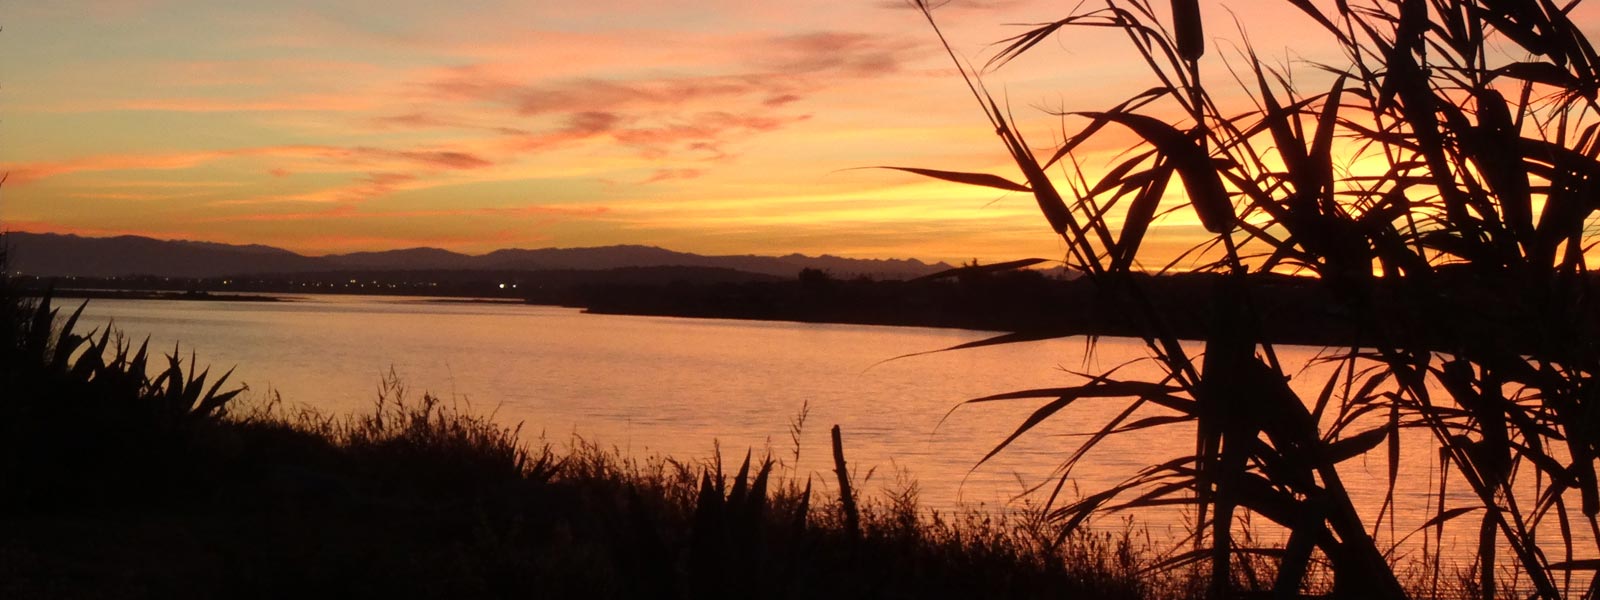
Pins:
x: 459, y: 253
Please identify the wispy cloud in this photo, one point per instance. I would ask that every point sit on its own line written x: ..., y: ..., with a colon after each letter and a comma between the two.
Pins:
x: 834, y: 53
x: 663, y: 114
x: 422, y: 120
x: 149, y: 196
x: 674, y: 175
x: 445, y: 159
x: 24, y: 173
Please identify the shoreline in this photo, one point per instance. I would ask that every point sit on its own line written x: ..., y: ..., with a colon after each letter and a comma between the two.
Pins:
x: 91, y: 294
x: 1027, y: 305
x: 659, y: 307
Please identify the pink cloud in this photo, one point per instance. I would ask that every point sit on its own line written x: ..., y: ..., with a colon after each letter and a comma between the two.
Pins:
x: 424, y: 120
x: 367, y: 187
x: 703, y: 132
x: 24, y: 173
x: 674, y: 175
x: 592, y: 122
x: 603, y: 94
x: 658, y: 137
x: 667, y: 113
x: 350, y: 212
x: 781, y: 99
x: 835, y: 53
x: 446, y: 159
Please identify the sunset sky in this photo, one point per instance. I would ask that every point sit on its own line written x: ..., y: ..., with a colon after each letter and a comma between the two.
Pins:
x: 708, y: 126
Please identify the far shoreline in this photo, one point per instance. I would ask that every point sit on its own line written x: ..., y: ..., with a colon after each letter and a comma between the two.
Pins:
x: 1106, y: 329
x: 1022, y: 304
x: 192, y: 296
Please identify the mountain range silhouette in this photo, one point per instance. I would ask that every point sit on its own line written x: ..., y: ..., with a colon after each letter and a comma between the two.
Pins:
x: 64, y: 255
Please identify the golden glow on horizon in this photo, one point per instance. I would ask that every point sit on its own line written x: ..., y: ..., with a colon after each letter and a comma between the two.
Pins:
x: 715, y: 127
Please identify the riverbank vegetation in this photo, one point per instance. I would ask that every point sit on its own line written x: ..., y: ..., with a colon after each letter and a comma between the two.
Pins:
x: 120, y: 484
x: 1438, y: 181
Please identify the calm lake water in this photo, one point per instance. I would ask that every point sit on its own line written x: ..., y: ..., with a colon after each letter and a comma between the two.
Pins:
x: 651, y: 385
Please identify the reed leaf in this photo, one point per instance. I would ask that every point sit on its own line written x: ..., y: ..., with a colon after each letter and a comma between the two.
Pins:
x: 1098, y: 123
x: 1010, y: 265
x: 1139, y: 216
x: 1154, y: 392
x: 977, y: 179
x: 1206, y: 192
x: 1460, y: 259
x: 1356, y: 445
x: 1002, y: 339
x: 1585, y: 564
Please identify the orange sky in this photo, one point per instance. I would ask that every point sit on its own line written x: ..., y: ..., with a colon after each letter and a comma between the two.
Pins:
x: 705, y: 126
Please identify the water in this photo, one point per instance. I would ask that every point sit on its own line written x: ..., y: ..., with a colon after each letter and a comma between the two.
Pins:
x: 651, y: 385
x: 661, y: 385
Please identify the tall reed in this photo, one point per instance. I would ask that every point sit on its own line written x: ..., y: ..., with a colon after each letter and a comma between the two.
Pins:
x: 1460, y: 260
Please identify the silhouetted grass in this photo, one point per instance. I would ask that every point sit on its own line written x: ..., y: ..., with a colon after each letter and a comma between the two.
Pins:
x: 448, y: 505
x: 122, y: 485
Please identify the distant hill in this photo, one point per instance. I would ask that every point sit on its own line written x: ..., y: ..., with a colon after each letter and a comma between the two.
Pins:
x: 53, y: 255
x: 50, y: 255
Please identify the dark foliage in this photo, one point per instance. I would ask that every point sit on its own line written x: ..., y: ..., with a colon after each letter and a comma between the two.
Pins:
x: 1459, y: 260
x: 119, y: 484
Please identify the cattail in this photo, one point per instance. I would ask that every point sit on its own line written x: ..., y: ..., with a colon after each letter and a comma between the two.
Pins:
x: 1191, y: 35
